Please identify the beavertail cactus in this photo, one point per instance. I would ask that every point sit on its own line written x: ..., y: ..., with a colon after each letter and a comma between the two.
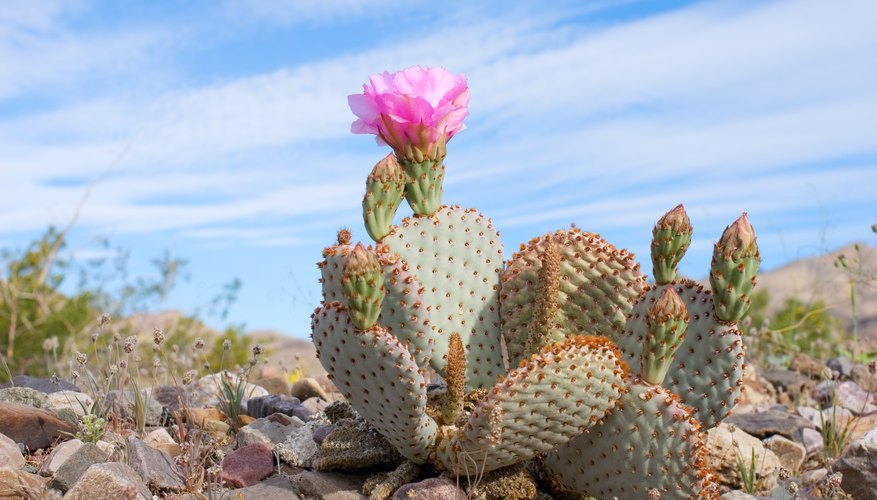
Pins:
x: 571, y: 356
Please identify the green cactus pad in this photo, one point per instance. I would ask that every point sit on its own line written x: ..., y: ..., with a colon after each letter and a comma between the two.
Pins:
x: 548, y: 400
x: 379, y: 378
x: 649, y: 441
x: 707, y: 370
x: 457, y: 256
x: 598, y: 286
x: 404, y: 311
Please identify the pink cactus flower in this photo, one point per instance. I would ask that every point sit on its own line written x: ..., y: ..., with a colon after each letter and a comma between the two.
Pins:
x: 416, y: 107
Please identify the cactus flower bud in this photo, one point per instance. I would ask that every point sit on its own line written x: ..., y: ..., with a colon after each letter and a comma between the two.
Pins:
x: 670, y: 239
x: 384, y: 190
x: 363, y: 283
x: 666, y: 320
x: 733, y: 269
x: 738, y: 240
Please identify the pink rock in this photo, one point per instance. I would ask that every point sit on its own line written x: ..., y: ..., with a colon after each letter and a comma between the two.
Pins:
x: 10, y: 453
x: 436, y: 488
x: 248, y: 465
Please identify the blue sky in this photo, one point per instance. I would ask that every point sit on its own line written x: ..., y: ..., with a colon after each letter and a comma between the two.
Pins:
x: 219, y: 130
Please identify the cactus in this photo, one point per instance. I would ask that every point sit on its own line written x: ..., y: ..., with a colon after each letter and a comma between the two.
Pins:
x: 615, y: 380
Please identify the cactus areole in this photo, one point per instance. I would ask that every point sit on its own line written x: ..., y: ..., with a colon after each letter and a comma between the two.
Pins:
x: 613, y: 382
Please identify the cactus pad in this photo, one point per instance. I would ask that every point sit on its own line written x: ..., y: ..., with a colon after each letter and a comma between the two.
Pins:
x: 548, y: 400
x: 598, y: 286
x: 649, y: 441
x: 707, y: 371
x: 379, y: 377
x: 404, y: 310
x: 457, y: 256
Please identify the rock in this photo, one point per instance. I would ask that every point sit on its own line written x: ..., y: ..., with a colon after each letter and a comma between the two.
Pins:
x: 812, y: 477
x: 206, y: 391
x: 35, y: 428
x: 79, y: 403
x: 841, y: 365
x: 737, y: 495
x: 338, y: 410
x: 806, y: 365
x: 298, y: 448
x: 810, y: 439
x: 59, y: 455
x: 384, y: 484
x: 273, y: 487
x: 159, y: 436
x: 354, y: 444
x: 114, y: 447
x: 170, y: 397
x: 263, y: 406
x: 16, y: 484
x: 859, y: 468
x: 314, y: 405
x: 157, y: 469
x: 248, y: 465
x: 436, y: 488
x: 321, y: 432
x: 10, y: 453
x: 273, y: 430
x: 792, y: 383
x: 863, y: 377
x: 850, y: 396
x: 330, y: 485
x: 274, y: 385
x: 839, y: 414
x: 790, y: 454
x: 769, y: 422
x: 109, y: 481
x: 123, y: 403
x: 308, y: 388
x: 509, y: 483
x: 44, y: 385
x: 75, y: 466
x: 722, y: 457
x: 25, y: 396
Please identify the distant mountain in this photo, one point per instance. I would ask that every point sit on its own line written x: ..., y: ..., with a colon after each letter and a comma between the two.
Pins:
x: 817, y: 278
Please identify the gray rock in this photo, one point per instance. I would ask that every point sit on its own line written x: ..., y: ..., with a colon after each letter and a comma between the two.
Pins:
x: 330, y: 486
x: 842, y: 365
x: 298, y: 448
x: 811, y: 439
x: 852, y: 397
x: 825, y: 415
x: 273, y: 487
x: 157, y: 469
x: 171, y: 397
x: 788, y: 381
x: 74, y: 467
x: 321, y: 432
x: 273, y: 430
x: 44, y: 385
x: 769, y: 422
x: 25, y: 396
x: 314, y: 405
x: 123, y: 403
x: 726, y: 444
x: 354, y: 444
x: 78, y: 403
x: 435, y: 488
x: 859, y: 468
x: 59, y: 455
x: 109, y: 481
x: 263, y: 406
